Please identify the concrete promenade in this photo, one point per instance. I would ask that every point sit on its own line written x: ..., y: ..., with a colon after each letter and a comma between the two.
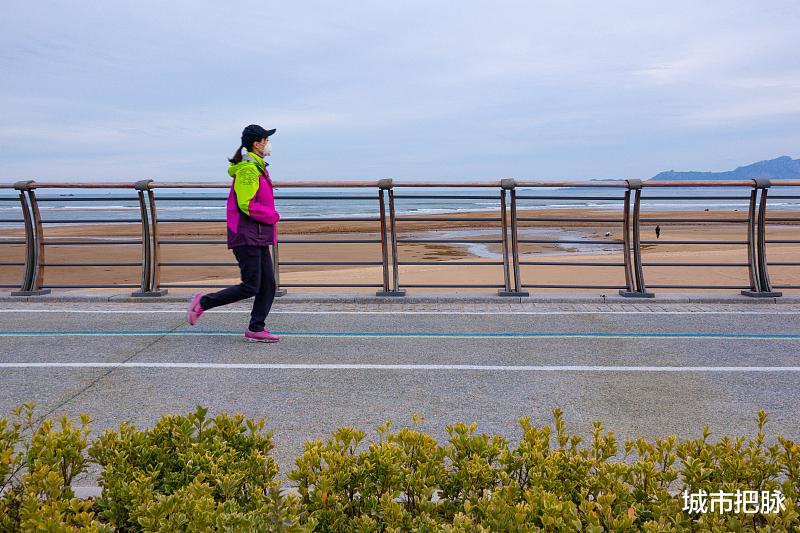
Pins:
x: 648, y: 369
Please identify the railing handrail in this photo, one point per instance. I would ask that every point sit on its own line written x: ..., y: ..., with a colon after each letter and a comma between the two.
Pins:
x: 699, y: 183
x: 616, y: 184
x: 299, y: 184
x: 81, y: 185
x: 620, y: 184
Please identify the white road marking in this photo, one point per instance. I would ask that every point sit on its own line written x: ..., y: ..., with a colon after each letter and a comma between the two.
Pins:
x: 421, y: 335
x: 338, y: 366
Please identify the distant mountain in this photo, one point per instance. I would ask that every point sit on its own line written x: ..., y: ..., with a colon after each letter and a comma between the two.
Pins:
x: 781, y: 168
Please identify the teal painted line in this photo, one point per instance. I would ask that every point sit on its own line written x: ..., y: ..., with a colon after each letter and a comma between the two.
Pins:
x: 360, y: 334
x: 406, y: 367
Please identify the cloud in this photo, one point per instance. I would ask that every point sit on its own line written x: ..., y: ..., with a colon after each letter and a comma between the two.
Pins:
x: 408, y: 88
x: 749, y: 110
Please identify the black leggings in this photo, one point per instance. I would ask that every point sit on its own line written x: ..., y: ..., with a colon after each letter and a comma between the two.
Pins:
x: 258, y: 279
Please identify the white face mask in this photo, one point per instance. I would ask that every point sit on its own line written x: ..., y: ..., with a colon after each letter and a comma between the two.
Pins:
x: 268, y: 148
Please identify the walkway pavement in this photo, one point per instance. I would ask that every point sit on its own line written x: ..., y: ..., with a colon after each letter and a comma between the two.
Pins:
x: 649, y: 368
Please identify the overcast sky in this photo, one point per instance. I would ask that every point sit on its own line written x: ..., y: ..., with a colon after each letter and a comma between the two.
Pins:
x: 363, y: 90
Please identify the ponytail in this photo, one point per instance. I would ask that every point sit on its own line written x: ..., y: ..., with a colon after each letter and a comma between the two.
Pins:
x: 237, y: 156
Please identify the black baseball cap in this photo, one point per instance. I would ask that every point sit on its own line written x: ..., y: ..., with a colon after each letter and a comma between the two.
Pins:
x: 253, y: 133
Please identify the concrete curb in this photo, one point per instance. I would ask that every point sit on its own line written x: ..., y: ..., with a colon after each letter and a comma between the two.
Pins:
x: 425, y: 299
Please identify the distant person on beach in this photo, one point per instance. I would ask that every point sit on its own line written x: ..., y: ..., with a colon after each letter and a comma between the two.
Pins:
x: 251, y: 219
x: 658, y: 231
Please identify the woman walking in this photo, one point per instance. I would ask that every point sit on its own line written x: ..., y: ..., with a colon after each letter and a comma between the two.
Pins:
x: 251, y: 219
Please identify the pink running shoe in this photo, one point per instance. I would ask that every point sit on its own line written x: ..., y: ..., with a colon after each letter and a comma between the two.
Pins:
x: 194, y: 310
x: 259, y: 336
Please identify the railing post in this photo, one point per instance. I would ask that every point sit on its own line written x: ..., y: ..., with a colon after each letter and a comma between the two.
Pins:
x: 276, y: 264
x: 504, y: 229
x: 640, y: 288
x: 276, y: 268
x: 757, y: 246
x: 515, y: 244
x: 626, y: 245
x: 508, y: 187
x: 752, y: 261
x: 149, y: 246
x: 766, y: 286
x: 34, y: 241
x: 140, y: 187
x: 38, y: 263
x: 155, y: 270
x: 386, y: 185
x: 30, y: 242
x: 383, y: 185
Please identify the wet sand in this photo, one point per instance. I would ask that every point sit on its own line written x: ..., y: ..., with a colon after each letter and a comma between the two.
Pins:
x: 456, y: 274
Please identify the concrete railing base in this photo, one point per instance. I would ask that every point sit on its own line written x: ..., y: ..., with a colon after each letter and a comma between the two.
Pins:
x: 39, y: 292
x: 429, y: 298
x: 759, y: 294
x: 636, y: 294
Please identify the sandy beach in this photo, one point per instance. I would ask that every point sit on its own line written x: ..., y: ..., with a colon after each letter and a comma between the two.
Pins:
x: 455, y: 274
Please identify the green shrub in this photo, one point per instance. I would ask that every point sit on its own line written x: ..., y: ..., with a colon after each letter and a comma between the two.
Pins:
x: 193, y: 473
x: 36, y: 473
x: 390, y: 485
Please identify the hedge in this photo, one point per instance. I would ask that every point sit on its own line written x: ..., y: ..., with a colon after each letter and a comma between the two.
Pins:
x: 196, y: 473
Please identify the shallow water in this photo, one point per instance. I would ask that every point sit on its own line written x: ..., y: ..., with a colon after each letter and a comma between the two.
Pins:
x: 494, y: 251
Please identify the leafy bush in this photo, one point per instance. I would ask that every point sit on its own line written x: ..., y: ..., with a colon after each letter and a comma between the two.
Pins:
x: 391, y: 485
x: 194, y: 473
x: 36, y: 474
x: 191, y: 473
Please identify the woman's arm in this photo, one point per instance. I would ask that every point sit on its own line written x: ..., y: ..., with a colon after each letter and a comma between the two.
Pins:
x: 246, y: 187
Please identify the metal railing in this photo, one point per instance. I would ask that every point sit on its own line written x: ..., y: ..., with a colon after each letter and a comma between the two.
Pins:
x: 36, y: 243
x: 509, y: 194
x: 156, y: 265
x: 629, y: 289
